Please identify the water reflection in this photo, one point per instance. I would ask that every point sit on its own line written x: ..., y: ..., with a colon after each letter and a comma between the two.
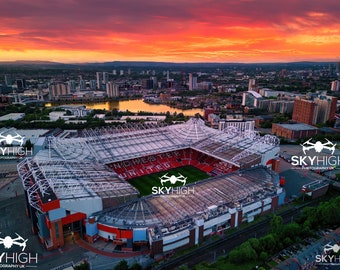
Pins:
x: 137, y: 105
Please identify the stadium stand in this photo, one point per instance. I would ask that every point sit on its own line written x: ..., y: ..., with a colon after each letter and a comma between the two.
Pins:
x: 82, y: 182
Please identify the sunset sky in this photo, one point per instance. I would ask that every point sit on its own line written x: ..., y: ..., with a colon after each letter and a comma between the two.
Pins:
x: 170, y: 30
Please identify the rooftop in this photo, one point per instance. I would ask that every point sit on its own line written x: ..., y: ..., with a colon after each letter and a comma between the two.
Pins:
x: 129, y: 141
x: 212, y: 197
x: 12, y: 116
x: 297, y: 126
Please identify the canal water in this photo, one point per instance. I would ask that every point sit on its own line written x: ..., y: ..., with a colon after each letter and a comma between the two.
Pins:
x: 136, y: 106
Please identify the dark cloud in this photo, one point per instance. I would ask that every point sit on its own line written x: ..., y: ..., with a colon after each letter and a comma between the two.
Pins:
x: 153, y: 16
x: 156, y: 25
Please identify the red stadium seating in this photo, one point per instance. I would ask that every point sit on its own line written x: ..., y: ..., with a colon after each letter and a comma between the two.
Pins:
x: 137, y: 167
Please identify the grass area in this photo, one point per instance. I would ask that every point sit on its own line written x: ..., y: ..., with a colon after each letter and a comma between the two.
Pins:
x: 145, y: 183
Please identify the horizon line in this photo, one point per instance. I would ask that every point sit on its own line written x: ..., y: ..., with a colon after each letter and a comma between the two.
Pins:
x: 166, y: 62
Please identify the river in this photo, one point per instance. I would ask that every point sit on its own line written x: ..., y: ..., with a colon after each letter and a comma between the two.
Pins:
x: 135, y: 106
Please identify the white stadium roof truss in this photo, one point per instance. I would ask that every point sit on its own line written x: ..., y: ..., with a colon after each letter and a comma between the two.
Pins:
x: 75, y: 167
x: 68, y: 179
x: 131, y: 141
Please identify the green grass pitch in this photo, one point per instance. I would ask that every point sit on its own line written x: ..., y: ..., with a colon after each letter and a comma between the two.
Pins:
x: 145, y: 183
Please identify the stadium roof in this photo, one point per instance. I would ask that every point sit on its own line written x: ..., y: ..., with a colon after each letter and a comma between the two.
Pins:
x: 169, y: 212
x: 108, y: 145
x: 57, y: 178
x: 75, y: 167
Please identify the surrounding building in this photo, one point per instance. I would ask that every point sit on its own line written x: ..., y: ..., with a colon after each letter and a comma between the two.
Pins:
x: 327, y: 106
x: 214, y: 120
x: 304, y: 111
x: 99, y: 76
x: 294, y: 131
x: 105, y: 77
x: 251, y: 98
x: 112, y: 90
x: 242, y: 125
x: 72, y: 85
x: 12, y: 116
x: 335, y: 86
x: 59, y: 89
x: 251, y: 85
x: 319, y: 109
x: 281, y: 106
x: 8, y: 80
x: 208, y: 111
x: 260, y: 119
x: 192, y: 82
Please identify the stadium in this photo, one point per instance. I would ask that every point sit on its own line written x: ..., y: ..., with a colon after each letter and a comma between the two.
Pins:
x: 150, y: 186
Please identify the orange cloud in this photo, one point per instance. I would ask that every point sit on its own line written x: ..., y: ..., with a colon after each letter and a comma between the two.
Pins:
x: 170, y: 30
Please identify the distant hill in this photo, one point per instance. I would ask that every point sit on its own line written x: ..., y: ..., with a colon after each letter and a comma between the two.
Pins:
x: 150, y: 64
x: 27, y: 62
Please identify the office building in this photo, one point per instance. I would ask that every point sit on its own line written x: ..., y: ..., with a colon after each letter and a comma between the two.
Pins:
x: 99, y: 80
x: 250, y: 99
x: 192, y: 82
x: 251, y: 85
x: 93, y: 84
x: 82, y: 85
x: 241, y: 125
x: 8, y: 80
x: 281, y: 106
x: 147, y: 83
x: 72, y: 85
x: 59, y: 89
x: 105, y: 77
x: 335, y: 86
x: 112, y: 90
x: 326, y: 108
x: 319, y: 109
x: 304, y: 111
x: 21, y: 84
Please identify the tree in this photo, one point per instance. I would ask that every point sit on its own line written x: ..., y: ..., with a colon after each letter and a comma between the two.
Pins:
x: 235, y: 256
x: 291, y: 231
x: 276, y: 224
x: 136, y: 266
x: 242, y: 254
x: 263, y: 256
x: 269, y: 243
x: 255, y: 244
x: 122, y: 265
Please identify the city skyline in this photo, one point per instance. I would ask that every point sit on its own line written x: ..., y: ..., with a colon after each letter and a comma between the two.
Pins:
x: 74, y: 31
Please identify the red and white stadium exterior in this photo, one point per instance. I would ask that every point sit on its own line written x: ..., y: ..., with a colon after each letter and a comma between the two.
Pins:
x: 79, y: 185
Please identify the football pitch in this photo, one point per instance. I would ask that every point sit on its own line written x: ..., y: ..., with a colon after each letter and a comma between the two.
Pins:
x: 145, y: 183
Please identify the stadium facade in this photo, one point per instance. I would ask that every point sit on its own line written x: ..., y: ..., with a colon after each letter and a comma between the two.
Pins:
x: 81, y: 185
